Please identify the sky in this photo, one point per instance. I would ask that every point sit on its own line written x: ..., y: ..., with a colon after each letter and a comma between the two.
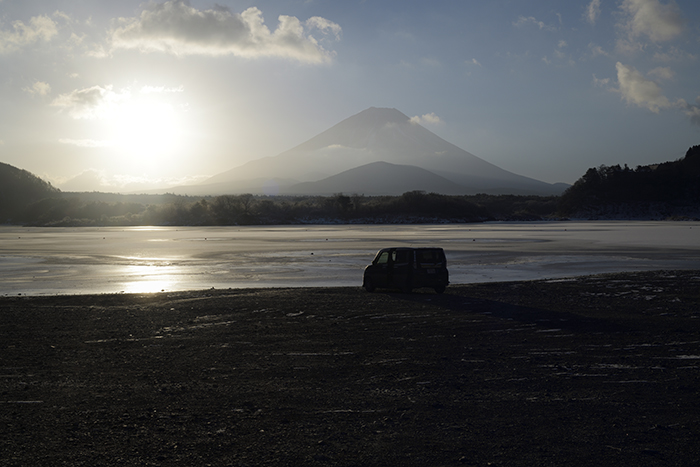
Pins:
x: 128, y: 95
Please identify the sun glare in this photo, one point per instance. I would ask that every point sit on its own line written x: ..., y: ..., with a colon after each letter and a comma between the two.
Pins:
x: 146, y: 132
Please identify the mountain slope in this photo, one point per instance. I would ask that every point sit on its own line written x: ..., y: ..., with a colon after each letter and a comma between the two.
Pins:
x: 384, y: 135
x: 379, y: 178
x: 18, y: 188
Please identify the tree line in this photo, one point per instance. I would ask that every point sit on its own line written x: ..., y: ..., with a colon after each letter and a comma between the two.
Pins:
x: 93, y: 209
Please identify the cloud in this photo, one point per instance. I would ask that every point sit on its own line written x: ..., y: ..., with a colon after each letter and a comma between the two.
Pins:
x: 324, y: 25
x: 662, y: 73
x: 601, y: 83
x: 40, y: 28
x: 39, y: 88
x: 660, y: 22
x: 674, y: 55
x: 597, y: 50
x: 691, y: 111
x: 177, y: 28
x: 523, y: 21
x: 592, y: 11
x: 638, y: 90
x: 427, y: 119
x: 90, y: 103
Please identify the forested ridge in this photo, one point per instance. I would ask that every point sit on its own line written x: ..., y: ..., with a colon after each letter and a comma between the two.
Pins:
x: 669, y: 190
x: 19, y: 188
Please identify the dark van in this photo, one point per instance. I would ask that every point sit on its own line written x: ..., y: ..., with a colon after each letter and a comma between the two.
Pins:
x: 407, y: 269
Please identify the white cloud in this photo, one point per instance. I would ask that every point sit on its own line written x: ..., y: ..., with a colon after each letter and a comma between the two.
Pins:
x: 39, y: 88
x: 324, y: 25
x: 40, y: 28
x: 90, y: 103
x: 638, y: 90
x: 523, y: 21
x: 475, y: 62
x: 427, y: 119
x: 662, y: 73
x: 592, y: 11
x: 600, y: 82
x: 673, y: 54
x: 177, y: 28
x: 659, y: 21
x: 597, y: 50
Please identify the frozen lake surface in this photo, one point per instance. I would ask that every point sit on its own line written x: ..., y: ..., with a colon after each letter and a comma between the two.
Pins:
x: 40, y: 261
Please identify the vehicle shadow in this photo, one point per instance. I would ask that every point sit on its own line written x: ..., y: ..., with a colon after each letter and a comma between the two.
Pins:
x: 542, y: 318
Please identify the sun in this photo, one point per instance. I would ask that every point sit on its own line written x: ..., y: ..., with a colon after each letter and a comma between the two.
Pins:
x: 147, y: 131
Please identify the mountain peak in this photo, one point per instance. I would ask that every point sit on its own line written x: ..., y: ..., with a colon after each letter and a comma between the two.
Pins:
x: 383, y: 135
x: 358, y: 131
x: 380, y: 115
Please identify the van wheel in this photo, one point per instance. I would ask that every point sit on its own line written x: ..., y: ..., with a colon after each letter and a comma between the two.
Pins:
x: 369, y: 286
x: 440, y: 289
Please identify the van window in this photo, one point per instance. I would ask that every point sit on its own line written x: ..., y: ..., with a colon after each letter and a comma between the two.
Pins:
x: 383, y: 258
x: 429, y: 258
x: 400, y: 258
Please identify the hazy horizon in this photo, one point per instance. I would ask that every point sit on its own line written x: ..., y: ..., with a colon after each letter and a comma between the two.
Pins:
x: 127, y: 96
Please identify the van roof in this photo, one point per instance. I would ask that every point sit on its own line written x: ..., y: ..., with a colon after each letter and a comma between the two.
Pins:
x: 411, y: 248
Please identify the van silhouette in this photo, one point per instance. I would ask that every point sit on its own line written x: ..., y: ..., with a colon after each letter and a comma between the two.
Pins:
x: 407, y: 269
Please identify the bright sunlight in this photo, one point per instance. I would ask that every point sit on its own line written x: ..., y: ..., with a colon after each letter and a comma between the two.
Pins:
x: 147, y: 130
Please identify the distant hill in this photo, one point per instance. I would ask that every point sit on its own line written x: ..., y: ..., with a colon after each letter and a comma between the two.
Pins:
x: 661, y: 190
x: 19, y: 188
x: 379, y: 178
x: 376, y: 135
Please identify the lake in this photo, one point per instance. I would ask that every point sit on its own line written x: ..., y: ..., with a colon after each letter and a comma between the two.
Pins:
x: 41, y: 261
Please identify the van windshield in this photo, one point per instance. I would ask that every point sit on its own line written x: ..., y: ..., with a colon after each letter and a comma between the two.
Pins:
x: 383, y: 258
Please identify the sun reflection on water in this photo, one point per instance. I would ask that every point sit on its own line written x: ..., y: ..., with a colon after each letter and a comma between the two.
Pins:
x: 149, y: 278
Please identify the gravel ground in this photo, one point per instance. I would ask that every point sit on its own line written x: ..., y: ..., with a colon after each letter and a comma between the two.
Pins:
x: 595, y: 370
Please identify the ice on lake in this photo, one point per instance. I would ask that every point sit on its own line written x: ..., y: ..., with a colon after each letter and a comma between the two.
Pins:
x: 39, y: 261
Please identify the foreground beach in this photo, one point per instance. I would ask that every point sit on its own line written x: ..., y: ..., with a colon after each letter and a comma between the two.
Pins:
x: 595, y: 370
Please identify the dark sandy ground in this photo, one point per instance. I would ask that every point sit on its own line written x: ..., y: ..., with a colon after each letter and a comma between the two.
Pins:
x: 598, y: 370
